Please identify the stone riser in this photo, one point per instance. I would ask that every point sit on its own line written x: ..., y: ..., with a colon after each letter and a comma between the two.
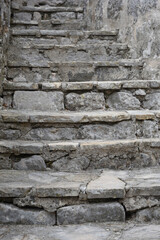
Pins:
x: 121, y: 100
x: 51, y: 25
x: 70, y: 52
x: 83, y: 155
x: 130, y: 129
x: 71, y: 74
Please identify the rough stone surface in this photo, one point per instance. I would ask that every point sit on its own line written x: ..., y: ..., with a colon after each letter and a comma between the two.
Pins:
x: 14, y: 215
x: 148, y: 215
x: 102, y: 212
x: 123, y: 101
x: 48, y: 204
x: 106, y: 186
x: 101, y: 231
x: 39, y: 100
x: 86, y: 101
x: 152, y: 101
x: 136, y: 203
x: 31, y: 163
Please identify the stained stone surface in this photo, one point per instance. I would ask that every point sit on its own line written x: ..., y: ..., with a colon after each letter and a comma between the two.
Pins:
x: 101, y: 231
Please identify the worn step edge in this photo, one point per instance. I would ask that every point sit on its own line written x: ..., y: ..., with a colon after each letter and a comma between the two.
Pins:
x: 9, y: 116
x: 62, y: 33
x: 52, y: 21
x: 79, y: 86
x: 121, y: 46
x: 37, y: 147
x: 48, y: 9
x: 48, y: 64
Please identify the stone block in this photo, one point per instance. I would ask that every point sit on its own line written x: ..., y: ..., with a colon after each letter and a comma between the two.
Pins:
x: 86, y: 101
x: 14, y: 215
x: 152, y: 101
x: 137, y: 203
x: 148, y: 215
x: 38, y: 100
x: 22, y: 16
x: 123, y: 101
x: 34, y: 162
x: 102, y: 212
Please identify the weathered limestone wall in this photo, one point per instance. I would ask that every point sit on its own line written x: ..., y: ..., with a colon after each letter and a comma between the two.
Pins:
x: 4, y: 39
x: 138, y: 24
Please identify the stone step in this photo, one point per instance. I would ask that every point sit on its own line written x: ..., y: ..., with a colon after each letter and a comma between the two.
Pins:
x: 97, y: 231
x: 39, y: 126
x: 47, y: 9
x: 47, y: 3
x: 71, y: 52
x: 82, y: 86
x: 63, y: 33
x: 72, y: 198
x: 51, y: 24
x: 22, y: 68
x: 82, y: 154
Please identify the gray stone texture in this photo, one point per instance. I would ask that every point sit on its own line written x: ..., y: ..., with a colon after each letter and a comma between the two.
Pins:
x: 102, y: 212
x: 152, y: 101
x: 86, y: 101
x: 123, y: 101
x: 148, y: 215
x: 137, y: 203
x: 34, y: 162
x: 14, y: 215
x: 39, y: 100
x: 114, y: 8
x: 84, y: 231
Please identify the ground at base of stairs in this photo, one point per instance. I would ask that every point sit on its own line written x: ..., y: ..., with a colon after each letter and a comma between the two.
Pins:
x: 82, y: 232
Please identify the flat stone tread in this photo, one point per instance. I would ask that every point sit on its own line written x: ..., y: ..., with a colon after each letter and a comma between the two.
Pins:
x: 73, y: 86
x: 76, y: 117
x: 48, y: 64
x: 66, y: 33
x: 50, y: 46
x: 100, y: 231
x: 96, y: 184
x: 48, y: 9
x: 32, y: 147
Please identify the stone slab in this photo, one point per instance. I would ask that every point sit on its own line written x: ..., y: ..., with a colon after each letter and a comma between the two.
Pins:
x: 101, y: 231
x: 109, y: 184
x: 106, y: 186
x: 38, y: 100
x: 98, y: 212
x: 63, y: 117
x: 42, y: 184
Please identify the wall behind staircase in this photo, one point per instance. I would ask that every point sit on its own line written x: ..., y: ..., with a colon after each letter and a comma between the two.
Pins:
x: 138, y: 24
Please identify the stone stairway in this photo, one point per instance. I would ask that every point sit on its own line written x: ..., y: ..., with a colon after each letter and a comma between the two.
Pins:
x: 79, y: 129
